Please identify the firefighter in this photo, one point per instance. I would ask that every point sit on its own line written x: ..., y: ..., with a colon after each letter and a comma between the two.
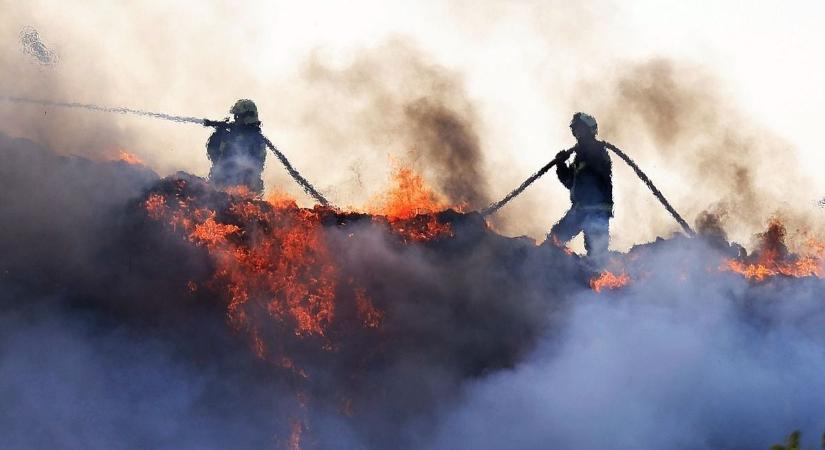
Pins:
x: 588, y: 178
x: 237, y: 149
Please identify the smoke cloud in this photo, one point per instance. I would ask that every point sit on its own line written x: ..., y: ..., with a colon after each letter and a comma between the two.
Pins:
x: 401, y: 105
x: 716, y: 365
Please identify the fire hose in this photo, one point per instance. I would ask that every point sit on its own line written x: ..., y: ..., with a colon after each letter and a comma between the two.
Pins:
x: 310, y: 189
x: 656, y: 192
x: 306, y: 185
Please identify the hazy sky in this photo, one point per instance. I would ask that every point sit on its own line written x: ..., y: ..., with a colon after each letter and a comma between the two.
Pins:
x: 521, y: 65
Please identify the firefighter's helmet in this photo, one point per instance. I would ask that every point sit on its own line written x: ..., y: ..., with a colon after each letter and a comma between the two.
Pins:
x: 586, y: 120
x: 245, y: 112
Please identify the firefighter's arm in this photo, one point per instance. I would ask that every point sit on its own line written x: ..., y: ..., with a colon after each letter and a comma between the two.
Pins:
x: 216, y: 123
x: 563, y: 171
x: 213, y: 145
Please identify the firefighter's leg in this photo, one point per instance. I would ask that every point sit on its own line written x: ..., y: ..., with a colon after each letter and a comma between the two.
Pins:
x: 596, y: 233
x: 565, y: 229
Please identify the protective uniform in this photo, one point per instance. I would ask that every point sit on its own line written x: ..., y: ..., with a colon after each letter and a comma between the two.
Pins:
x: 237, y: 150
x: 588, y: 178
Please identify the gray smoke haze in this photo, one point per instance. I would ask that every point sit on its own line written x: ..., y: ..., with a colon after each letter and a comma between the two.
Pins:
x: 117, y: 63
x: 90, y: 135
x: 661, y: 364
x: 70, y: 382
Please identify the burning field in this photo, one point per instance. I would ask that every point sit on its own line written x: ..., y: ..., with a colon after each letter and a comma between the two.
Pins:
x: 140, y: 311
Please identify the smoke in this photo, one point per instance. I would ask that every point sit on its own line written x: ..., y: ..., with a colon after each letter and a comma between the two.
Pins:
x: 83, y: 135
x: 73, y: 382
x: 100, y: 322
x: 102, y: 336
x: 419, y: 114
x: 701, y: 365
x: 113, y: 60
x: 90, y: 358
x: 394, y: 99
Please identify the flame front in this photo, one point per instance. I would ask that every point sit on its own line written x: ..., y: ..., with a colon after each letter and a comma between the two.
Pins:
x: 273, y: 263
x: 410, y: 208
x: 773, y: 258
x: 408, y: 197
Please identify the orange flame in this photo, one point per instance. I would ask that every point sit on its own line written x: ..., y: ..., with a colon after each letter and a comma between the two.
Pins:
x: 773, y: 258
x: 129, y: 158
x: 211, y: 232
x: 410, y: 208
x: 609, y: 280
x: 801, y: 267
x: 281, y: 200
x: 409, y: 197
x: 273, y: 262
x: 155, y: 206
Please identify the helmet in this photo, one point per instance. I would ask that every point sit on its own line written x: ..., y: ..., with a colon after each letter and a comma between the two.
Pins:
x: 585, y: 119
x: 245, y: 112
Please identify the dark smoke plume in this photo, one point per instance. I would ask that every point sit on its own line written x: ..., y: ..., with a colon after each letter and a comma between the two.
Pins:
x: 392, y: 98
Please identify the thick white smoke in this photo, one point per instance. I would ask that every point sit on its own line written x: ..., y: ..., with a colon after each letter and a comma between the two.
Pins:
x: 661, y: 364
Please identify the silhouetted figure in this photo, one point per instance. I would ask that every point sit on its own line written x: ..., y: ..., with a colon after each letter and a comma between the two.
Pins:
x: 237, y: 149
x: 588, y: 178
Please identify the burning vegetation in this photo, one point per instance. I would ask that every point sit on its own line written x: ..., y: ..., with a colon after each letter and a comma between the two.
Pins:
x: 410, y: 208
x: 275, y: 265
x: 129, y: 158
x: 273, y: 260
x: 279, y: 269
x: 296, y: 323
x: 772, y: 258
